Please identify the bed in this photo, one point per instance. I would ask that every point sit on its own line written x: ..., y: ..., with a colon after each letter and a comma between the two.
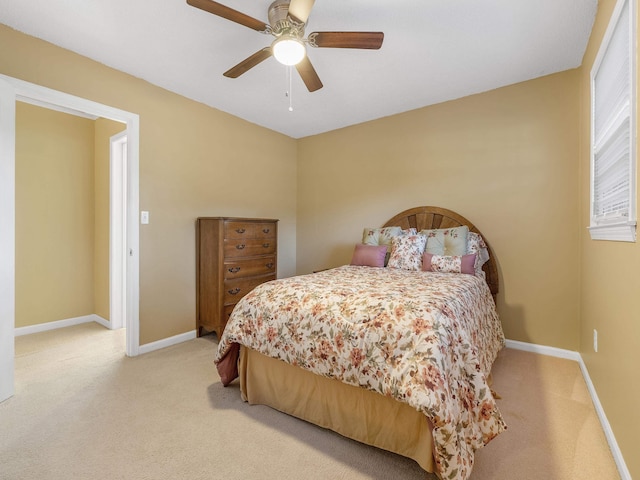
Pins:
x: 389, y: 355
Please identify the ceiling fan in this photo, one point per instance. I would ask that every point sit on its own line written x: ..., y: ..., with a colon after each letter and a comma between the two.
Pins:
x: 287, y: 20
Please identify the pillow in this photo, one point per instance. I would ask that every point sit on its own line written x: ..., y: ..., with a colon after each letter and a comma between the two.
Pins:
x: 447, y: 241
x: 475, y: 244
x: 381, y: 236
x: 449, y: 264
x: 406, y: 252
x: 369, y: 255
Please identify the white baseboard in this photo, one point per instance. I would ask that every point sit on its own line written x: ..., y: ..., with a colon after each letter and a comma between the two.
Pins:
x: 608, y: 432
x: 149, y: 347
x: 606, y: 426
x: 167, y: 342
x: 544, y: 350
x: 102, y: 321
x: 43, y: 327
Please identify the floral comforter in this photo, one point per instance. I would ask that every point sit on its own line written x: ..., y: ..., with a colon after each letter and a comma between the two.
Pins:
x: 427, y: 339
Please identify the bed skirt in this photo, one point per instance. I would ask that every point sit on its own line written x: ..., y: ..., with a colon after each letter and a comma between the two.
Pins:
x: 353, y: 412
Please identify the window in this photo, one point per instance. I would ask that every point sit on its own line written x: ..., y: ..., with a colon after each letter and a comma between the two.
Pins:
x: 613, y: 127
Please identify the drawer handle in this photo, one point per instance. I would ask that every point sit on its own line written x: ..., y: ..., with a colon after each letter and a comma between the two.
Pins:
x: 240, y: 230
x: 269, y: 265
x: 265, y: 245
x: 241, y: 246
x: 235, y: 291
x: 266, y: 230
x: 234, y: 269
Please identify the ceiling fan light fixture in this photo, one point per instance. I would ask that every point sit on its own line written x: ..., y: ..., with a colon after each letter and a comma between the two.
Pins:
x: 288, y: 50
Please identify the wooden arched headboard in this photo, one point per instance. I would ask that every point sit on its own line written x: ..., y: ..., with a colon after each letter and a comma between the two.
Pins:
x: 422, y: 218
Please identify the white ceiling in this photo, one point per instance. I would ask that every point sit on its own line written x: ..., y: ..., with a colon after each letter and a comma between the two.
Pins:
x: 433, y: 51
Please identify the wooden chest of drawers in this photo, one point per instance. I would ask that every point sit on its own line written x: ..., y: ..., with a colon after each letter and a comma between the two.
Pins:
x: 234, y: 255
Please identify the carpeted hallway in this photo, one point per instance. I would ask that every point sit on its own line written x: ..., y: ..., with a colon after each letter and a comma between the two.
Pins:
x: 83, y: 410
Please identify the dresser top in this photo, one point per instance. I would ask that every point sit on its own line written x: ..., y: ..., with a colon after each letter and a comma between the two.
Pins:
x: 240, y: 219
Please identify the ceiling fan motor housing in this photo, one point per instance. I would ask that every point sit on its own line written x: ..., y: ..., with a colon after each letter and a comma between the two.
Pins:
x: 280, y: 21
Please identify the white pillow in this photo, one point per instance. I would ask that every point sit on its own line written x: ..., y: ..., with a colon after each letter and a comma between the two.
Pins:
x: 447, y: 241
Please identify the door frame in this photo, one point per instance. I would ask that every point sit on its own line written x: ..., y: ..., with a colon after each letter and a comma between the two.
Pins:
x: 117, y: 230
x: 12, y: 90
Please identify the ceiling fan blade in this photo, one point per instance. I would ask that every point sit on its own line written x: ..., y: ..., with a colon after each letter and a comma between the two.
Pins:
x: 300, y: 9
x: 229, y: 13
x: 309, y: 75
x: 248, y: 63
x: 370, y: 40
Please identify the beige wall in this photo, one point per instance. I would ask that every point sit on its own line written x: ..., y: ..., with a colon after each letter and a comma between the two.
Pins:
x: 505, y: 159
x: 54, y: 215
x: 610, y: 300
x: 194, y: 161
x: 104, y: 130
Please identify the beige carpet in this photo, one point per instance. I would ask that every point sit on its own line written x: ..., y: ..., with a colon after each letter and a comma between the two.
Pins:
x: 82, y: 410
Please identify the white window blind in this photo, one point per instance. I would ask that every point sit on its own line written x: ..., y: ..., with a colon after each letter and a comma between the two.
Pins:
x: 613, y: 189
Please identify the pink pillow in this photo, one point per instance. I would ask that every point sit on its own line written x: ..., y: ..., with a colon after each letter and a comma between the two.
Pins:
x: 369, y: 255
x: 449, y: 264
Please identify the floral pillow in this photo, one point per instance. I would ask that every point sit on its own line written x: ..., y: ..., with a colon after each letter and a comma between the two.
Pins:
x: 383, y: 236
x: 406, y: 252
x: 369, y: 255
x: 449, y: 263
x: 447, y: 241
x: 380, y: 236
x: 476, y: 245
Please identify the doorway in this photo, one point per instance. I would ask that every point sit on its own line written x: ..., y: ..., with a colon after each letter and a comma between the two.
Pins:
x: 124, y: 255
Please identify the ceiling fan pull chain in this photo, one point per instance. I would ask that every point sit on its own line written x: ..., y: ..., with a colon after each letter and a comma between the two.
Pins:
x: 289, y: 75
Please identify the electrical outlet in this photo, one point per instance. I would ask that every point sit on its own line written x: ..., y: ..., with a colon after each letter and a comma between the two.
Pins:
x: 595, y: 340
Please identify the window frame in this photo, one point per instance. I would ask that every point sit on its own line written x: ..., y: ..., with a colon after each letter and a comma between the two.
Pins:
x: 603, y: 226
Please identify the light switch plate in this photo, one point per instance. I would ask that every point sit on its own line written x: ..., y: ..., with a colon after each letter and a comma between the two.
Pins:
x: 144, y: 218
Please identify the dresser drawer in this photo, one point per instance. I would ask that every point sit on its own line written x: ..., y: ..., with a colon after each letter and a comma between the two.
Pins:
x: 248, y: 247
x: 264, y: 230
x: 243, y: 230
x: 238, y: 230
x: 249, y: 267
x: 237, y: 288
